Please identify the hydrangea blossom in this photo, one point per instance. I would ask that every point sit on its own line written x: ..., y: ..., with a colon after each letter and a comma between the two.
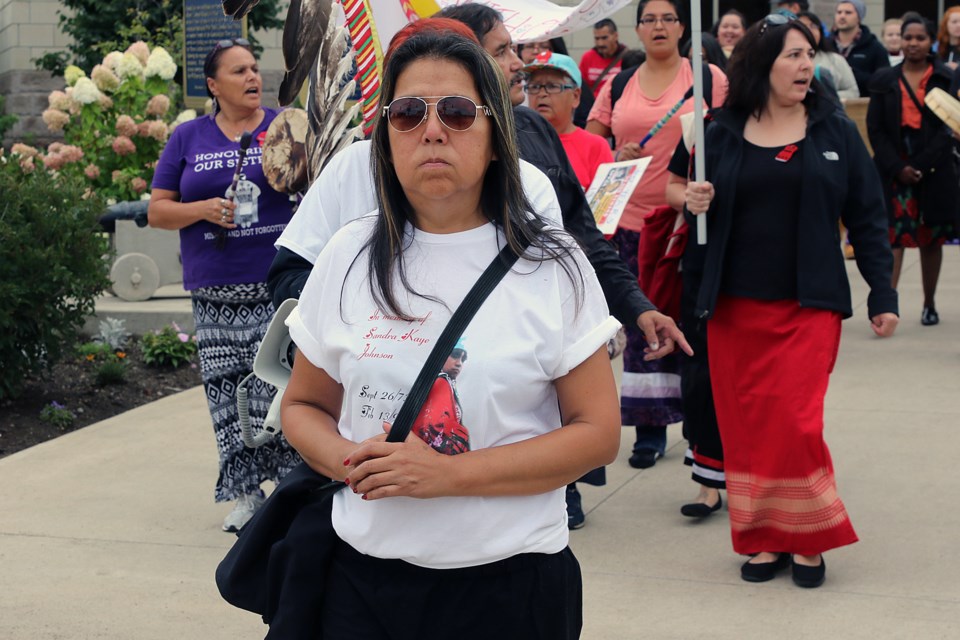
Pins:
x: 23, y: 150
x: 158, y: 130
x: 158, y: 105
x: 105, y: 78
x: 126, y: 126
x: 161, y: 64
x: 55, y: 119
x: 129, y: 67
x: 122, y: 146
x: 139, y: 185
x: 72, y: 74
x: 141, y: 50
x: 112, y: 60
x: 185, y: 116
x: 92, y: 171
x: 85, y: 92
x: 59, y: 100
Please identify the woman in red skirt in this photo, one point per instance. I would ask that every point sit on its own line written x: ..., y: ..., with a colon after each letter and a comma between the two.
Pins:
x: 784, y: 167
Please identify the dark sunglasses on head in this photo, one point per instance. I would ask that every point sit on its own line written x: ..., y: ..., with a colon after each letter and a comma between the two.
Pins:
x: 455, y: 112
x: 775, y: 20
x: 232, y: 42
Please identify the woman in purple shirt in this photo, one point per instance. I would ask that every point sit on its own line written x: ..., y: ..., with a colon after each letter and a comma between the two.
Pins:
x: 226, y: 244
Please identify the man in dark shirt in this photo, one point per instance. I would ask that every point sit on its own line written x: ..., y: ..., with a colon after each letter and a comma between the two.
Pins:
x: 864, y: 53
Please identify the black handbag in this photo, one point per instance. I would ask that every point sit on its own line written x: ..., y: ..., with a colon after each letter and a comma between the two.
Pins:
x: 278, y: 565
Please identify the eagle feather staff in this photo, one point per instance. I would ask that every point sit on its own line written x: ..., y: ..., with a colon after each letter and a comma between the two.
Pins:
x: 315, y: 46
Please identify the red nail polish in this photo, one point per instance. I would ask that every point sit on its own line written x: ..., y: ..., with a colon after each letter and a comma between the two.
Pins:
x: 346, y: 462
x: 364, y: 496
x: 347, y: 482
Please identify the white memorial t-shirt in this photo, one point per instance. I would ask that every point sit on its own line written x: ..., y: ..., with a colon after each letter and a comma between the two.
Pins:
x: 528, y: 333
x: 344, y: 191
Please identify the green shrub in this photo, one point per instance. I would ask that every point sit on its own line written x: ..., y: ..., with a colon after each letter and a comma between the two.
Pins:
x: 57, y: 415
x: 6, y: 120
x: 167, y: 347
x: 111, y: 372
x: 52, y: 266
x: 94, y: 351
x: 109, y: 364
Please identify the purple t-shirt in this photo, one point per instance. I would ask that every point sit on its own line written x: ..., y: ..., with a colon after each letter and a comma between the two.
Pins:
x: 198, y: 163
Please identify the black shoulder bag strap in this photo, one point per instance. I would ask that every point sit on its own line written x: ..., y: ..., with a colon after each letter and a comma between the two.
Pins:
x: 603, y: 74
x: 913, y: 96
x: 488, y: 281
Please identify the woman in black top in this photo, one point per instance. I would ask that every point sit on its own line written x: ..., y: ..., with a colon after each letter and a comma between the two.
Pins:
x: 774, y: 289
x: 913, y: 150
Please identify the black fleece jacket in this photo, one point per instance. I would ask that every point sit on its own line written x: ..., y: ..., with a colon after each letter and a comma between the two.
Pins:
x: 540, y: 146
x: 839, y: 183
x: 866, y: 56
x: 938, y: 190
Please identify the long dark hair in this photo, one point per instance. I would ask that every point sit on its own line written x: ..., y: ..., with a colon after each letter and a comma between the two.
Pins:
x: 502, y: 199
x: 826, y: 43
x: 748, y: 71
x: 712, y: 51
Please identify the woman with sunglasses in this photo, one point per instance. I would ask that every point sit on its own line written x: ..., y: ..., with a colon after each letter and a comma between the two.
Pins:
x: 775, y: 289
x: 228, y: 218
x: 484, y: 529
x: 914, y: 153
x: 650, y: 397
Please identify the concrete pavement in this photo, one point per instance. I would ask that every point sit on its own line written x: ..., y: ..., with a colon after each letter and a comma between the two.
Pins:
x: 110, y: 532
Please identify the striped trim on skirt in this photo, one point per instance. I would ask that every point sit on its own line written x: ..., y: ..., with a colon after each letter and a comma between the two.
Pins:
x: 770, y: 363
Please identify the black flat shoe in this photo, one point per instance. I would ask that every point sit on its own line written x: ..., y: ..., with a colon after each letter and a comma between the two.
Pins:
x: 699, y: 509
x: 643, y: 459
x: 809, y: 577
x: 929, y: 317
x: 764, y: 571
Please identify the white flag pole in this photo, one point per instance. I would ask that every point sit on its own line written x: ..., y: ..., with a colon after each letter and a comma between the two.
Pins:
x: 699, y: 168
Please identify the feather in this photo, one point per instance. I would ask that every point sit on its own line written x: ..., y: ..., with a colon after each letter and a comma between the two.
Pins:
x: 330, y: 129
x: 238, y: 8
x: 304, y: 33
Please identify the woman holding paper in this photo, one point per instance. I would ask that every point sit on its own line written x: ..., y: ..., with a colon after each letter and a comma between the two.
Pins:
x: 775, y: 289
x: 650, y: 395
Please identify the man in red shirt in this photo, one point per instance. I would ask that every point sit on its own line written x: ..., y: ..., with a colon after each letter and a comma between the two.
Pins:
x: 554, y: 92
x: 602, y: 62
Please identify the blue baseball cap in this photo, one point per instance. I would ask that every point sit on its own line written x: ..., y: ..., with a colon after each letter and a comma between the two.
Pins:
x: 550, y: 60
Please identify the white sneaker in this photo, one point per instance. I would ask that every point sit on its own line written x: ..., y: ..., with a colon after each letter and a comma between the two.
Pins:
x: 243, y: 510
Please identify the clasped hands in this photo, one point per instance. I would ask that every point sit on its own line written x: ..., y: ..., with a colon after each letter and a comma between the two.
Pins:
x: 380, y: 469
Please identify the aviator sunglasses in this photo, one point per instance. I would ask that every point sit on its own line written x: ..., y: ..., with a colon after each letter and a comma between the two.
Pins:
x: 455, y: 112
x: 774, y: 20
x: 232, y: 42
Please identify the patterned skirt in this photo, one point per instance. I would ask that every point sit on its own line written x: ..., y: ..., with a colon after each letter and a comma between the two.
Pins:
x: 770, y: 363
x: 907, y: 229
x: 650, y: 391
x: 231, y: 320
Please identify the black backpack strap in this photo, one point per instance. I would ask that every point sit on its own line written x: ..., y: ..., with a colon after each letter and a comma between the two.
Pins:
x: 707, y: 86
x: 619, y: 83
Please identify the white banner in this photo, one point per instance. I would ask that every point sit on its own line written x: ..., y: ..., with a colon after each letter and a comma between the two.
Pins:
x: 526, y: 20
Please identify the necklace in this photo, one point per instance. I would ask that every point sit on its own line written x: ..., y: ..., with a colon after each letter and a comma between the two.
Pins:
x: 229, y: 129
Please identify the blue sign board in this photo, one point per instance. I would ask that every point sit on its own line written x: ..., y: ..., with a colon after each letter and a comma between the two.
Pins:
x: 203, y: 26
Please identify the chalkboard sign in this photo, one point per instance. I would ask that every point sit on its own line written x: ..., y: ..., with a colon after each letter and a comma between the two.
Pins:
x: 203, y: 26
